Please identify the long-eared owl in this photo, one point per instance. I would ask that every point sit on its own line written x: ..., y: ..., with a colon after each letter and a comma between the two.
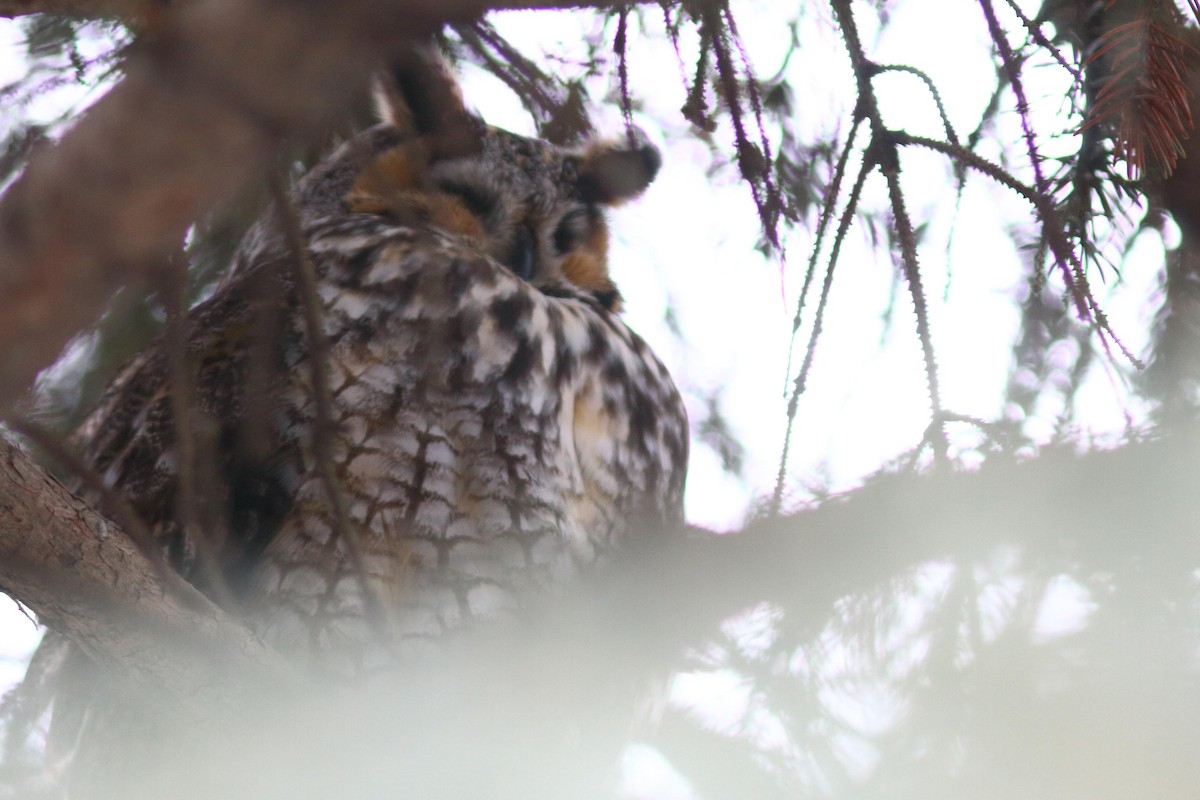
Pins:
x: 491, y: 423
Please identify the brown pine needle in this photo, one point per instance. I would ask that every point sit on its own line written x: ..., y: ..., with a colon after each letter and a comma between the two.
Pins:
x: 1146, y: 96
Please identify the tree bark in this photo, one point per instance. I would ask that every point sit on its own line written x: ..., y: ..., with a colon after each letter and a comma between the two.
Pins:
x: 136, y: 9
x: 83, y: 576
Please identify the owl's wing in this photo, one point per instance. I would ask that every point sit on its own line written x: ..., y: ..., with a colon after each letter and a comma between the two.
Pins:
x: 129, y: 440
x: 489, y: 438
x: 240, y: 465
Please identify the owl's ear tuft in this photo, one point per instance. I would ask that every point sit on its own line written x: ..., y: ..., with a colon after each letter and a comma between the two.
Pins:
x: 612, y: 172
x: 419, y: 95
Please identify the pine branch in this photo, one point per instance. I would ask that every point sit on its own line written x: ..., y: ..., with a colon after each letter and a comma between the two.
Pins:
x: 882, y: 154
x: 1146, y: 95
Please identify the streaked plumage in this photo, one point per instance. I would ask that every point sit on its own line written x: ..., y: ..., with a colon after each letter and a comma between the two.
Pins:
x: 495, y: 425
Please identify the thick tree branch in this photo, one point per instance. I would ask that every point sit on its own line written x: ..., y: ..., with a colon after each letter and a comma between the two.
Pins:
x: 74, y: 8
x: 134, y: 9
x: 86, y: 579
x: 81, y: 575
x: 201, y: 110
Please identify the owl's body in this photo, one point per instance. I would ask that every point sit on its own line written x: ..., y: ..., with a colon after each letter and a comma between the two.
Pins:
x: 489, y: 439
x: 493, y: 425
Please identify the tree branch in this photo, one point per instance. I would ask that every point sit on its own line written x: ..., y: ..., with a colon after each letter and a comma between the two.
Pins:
x: 133, y: 9
x: 202, y: 109
x: 125, y: 9
x: 83, y: 576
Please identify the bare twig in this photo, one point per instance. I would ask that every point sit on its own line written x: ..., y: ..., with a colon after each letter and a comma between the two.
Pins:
x: 951, y: 136
x: 537, y: 90
x: 305, y: 278
x: 801, y: 381
x: 828, y: 205
x: 1074, y: 276
x: 882, y: 153
x: 890, y: 167
x: 620, y: 43
x: 1035, y: 33
x: 191, y: 454
x: 827, y: 208
x: 969, y: 158
x: 1047, y: 212
x: 753, y: 160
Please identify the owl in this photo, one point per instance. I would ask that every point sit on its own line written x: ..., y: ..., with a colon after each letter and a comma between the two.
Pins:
x: 462, y: 420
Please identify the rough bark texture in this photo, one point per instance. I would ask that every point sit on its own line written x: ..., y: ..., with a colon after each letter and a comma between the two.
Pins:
x: 83, y: 577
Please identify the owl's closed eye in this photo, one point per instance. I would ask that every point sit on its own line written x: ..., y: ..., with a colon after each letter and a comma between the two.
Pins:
x: 536, y: 210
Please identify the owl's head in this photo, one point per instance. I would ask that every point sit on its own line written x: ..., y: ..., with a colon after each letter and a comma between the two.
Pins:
x: 534, y: 207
